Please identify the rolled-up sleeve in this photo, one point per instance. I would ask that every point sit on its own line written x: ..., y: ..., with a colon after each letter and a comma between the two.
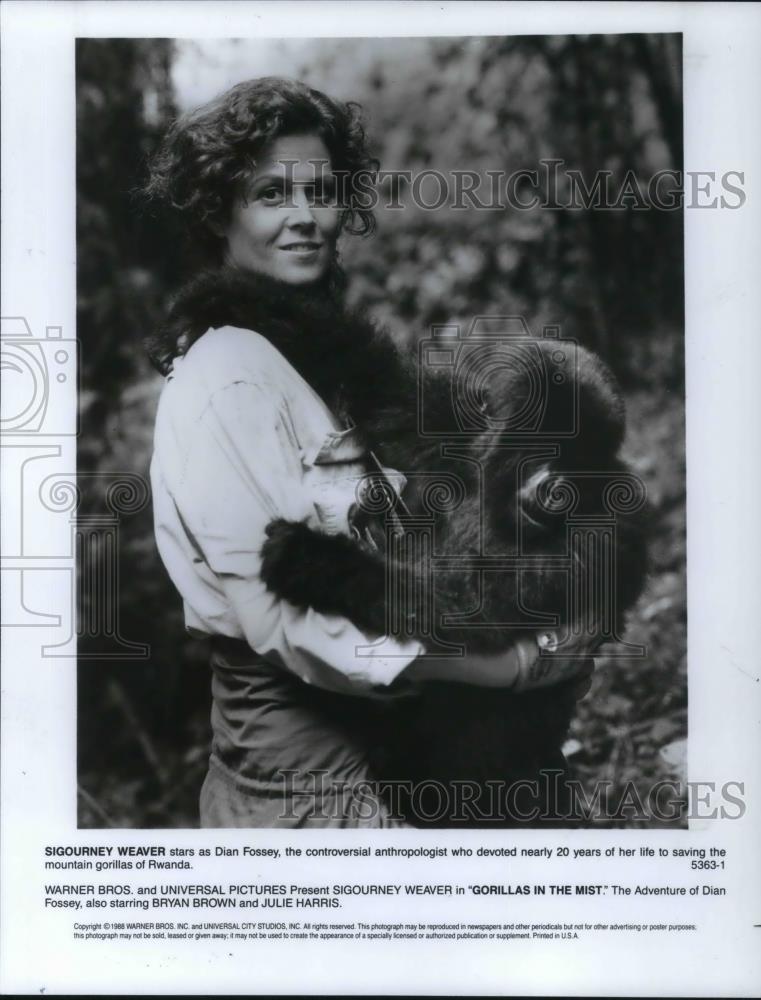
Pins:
x: 243, y: 468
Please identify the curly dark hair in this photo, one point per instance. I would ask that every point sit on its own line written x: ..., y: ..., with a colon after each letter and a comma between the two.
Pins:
x: 208, y: 155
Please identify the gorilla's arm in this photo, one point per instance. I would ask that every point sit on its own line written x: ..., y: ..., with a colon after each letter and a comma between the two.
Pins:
x: 332, y: 574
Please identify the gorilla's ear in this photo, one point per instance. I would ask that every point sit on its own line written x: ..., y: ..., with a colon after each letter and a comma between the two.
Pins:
x: 602, y: 413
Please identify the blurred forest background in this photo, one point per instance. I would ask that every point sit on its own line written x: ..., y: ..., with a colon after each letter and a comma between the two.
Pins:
x: 612, y: 279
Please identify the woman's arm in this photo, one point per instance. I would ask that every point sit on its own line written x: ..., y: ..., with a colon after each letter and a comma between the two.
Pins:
x: 347, y: 580
x: 523, y: 667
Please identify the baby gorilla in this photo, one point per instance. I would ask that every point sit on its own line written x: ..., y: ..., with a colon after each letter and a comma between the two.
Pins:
x: 512, y: 453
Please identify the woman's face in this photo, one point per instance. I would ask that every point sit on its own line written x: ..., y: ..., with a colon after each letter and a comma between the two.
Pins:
x: 287, y: 225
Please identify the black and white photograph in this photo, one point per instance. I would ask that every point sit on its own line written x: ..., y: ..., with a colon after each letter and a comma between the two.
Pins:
x: 389, y: 339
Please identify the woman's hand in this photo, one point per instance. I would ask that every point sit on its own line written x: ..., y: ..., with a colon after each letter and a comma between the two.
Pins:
x: 554, y: 663
x: 530, y: 663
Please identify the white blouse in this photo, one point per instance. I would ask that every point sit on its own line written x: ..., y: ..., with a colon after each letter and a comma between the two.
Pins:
x: 241, y: 439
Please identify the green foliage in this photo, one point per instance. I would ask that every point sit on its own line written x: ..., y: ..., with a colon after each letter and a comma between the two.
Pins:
x: 611, y: 279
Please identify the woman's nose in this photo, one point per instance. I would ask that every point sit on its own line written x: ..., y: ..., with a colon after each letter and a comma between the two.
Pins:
x: 300, y: 210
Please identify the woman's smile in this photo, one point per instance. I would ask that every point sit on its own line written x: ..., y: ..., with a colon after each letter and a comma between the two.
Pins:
x: 304, y: 248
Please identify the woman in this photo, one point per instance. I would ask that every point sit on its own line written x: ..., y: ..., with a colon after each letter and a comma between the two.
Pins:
x: 303, y: 703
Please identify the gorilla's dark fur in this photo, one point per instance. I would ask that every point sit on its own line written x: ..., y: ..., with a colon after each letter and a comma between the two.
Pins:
x: 516, y: 465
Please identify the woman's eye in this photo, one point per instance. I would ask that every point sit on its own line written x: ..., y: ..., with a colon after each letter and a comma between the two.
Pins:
x: 271, y: 195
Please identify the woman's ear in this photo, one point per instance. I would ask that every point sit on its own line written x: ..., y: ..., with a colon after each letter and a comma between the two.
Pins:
x: 218, y: 237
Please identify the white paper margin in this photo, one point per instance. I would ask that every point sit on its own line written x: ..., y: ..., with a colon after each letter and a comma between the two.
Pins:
x: 722, y: 76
